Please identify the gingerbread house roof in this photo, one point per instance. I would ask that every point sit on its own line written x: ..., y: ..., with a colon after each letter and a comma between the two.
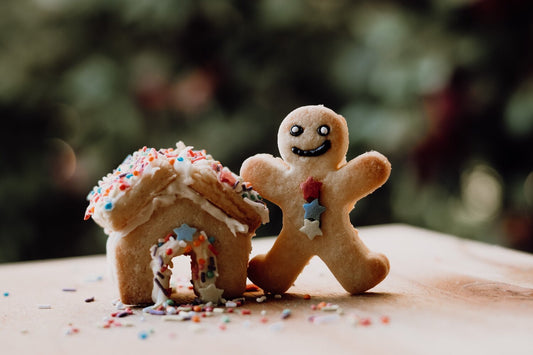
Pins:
x: 150, y: 178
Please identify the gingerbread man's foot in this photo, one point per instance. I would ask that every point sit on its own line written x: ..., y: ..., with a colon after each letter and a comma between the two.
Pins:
x: 276, y: 271
x: 359, y: 274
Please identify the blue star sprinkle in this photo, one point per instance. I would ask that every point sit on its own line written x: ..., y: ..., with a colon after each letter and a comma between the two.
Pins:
x: 184, y: 232
x: 313, y: 210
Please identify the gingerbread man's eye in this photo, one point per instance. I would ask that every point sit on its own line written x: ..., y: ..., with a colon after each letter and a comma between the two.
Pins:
x: 296, y: 130
x: 323, y: 130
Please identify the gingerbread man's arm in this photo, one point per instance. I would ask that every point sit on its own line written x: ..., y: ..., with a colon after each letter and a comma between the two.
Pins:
x: 364, y: 174
x: 264, y: 172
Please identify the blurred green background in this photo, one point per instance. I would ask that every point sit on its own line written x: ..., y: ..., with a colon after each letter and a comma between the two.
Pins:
x: 443, y: 88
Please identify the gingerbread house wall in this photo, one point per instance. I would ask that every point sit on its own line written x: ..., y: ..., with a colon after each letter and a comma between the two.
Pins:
x: 132, y: 252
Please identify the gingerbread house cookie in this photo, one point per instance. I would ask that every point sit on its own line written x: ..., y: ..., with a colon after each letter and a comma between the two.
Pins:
x: 159, y: 204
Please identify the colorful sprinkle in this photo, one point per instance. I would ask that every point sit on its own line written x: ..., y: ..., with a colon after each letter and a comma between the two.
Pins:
x: 90, y: 299
x: 127, y: 174
x: 310, y: 189
x: 251, y: 288
x: 71, y: 330
x: 286, y: 313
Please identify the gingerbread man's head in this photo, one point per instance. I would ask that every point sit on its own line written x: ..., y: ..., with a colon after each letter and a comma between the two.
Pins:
x: 313, y: 135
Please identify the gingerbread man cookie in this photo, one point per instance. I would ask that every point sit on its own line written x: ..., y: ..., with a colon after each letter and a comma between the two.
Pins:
x: 316, y: 188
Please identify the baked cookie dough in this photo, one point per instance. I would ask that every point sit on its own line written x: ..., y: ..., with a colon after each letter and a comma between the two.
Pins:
x: 159, y: 204
x: 316, y: 188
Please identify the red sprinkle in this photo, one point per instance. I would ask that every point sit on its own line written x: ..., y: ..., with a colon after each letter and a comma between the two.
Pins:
x: 227, y: 177
x: 365, y: 321
x: 246, y: 311
x: 251, y: 288
x: 169, y: 251
x: 307, y: 296
x: 213, y: 250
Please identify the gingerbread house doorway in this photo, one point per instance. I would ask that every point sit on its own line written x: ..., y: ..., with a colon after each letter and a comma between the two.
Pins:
x: 202, y: 256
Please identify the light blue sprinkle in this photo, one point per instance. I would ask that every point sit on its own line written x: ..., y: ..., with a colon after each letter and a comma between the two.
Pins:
x: 108, y: 206
x: 180, y: 159
x: 211, y: 240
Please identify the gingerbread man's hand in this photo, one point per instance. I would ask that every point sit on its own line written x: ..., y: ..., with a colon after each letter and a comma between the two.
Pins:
x: 363, y: 174
x: 262, y: 171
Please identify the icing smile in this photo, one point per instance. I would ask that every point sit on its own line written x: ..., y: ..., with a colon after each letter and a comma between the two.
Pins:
x: 321, y: 149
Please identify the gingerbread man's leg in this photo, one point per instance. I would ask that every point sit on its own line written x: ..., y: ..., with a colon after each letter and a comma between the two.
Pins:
x: 277, y: 270
x: 359, y: 269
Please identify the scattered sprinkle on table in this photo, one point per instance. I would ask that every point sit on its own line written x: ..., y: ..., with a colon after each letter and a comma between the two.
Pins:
x: 6, y: 294
x: 286, y: 313
x: 143, y: 334
x: 70, y: 330
x: 44, y: 306
x: 69, y: 289
x: 90, y: 299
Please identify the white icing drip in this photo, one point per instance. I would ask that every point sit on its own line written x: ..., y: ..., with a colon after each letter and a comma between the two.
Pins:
x: 233, y: 225
x: 111, y: 245
x: 185, y: 170
x: 161, y: 264
x: 167, y: 197
x: 260, y: 208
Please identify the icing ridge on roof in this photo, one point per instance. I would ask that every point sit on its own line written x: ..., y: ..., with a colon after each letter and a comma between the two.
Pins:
x: 184, y: 160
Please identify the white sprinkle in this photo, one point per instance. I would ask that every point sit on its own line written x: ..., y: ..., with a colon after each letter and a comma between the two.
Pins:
x: 277, y: 297
x: 330, y: 307
x: 231, y: 304
x: 261, y: 299
x: 326, y: 319
x: 174, y: 318
x: 263, y: 312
